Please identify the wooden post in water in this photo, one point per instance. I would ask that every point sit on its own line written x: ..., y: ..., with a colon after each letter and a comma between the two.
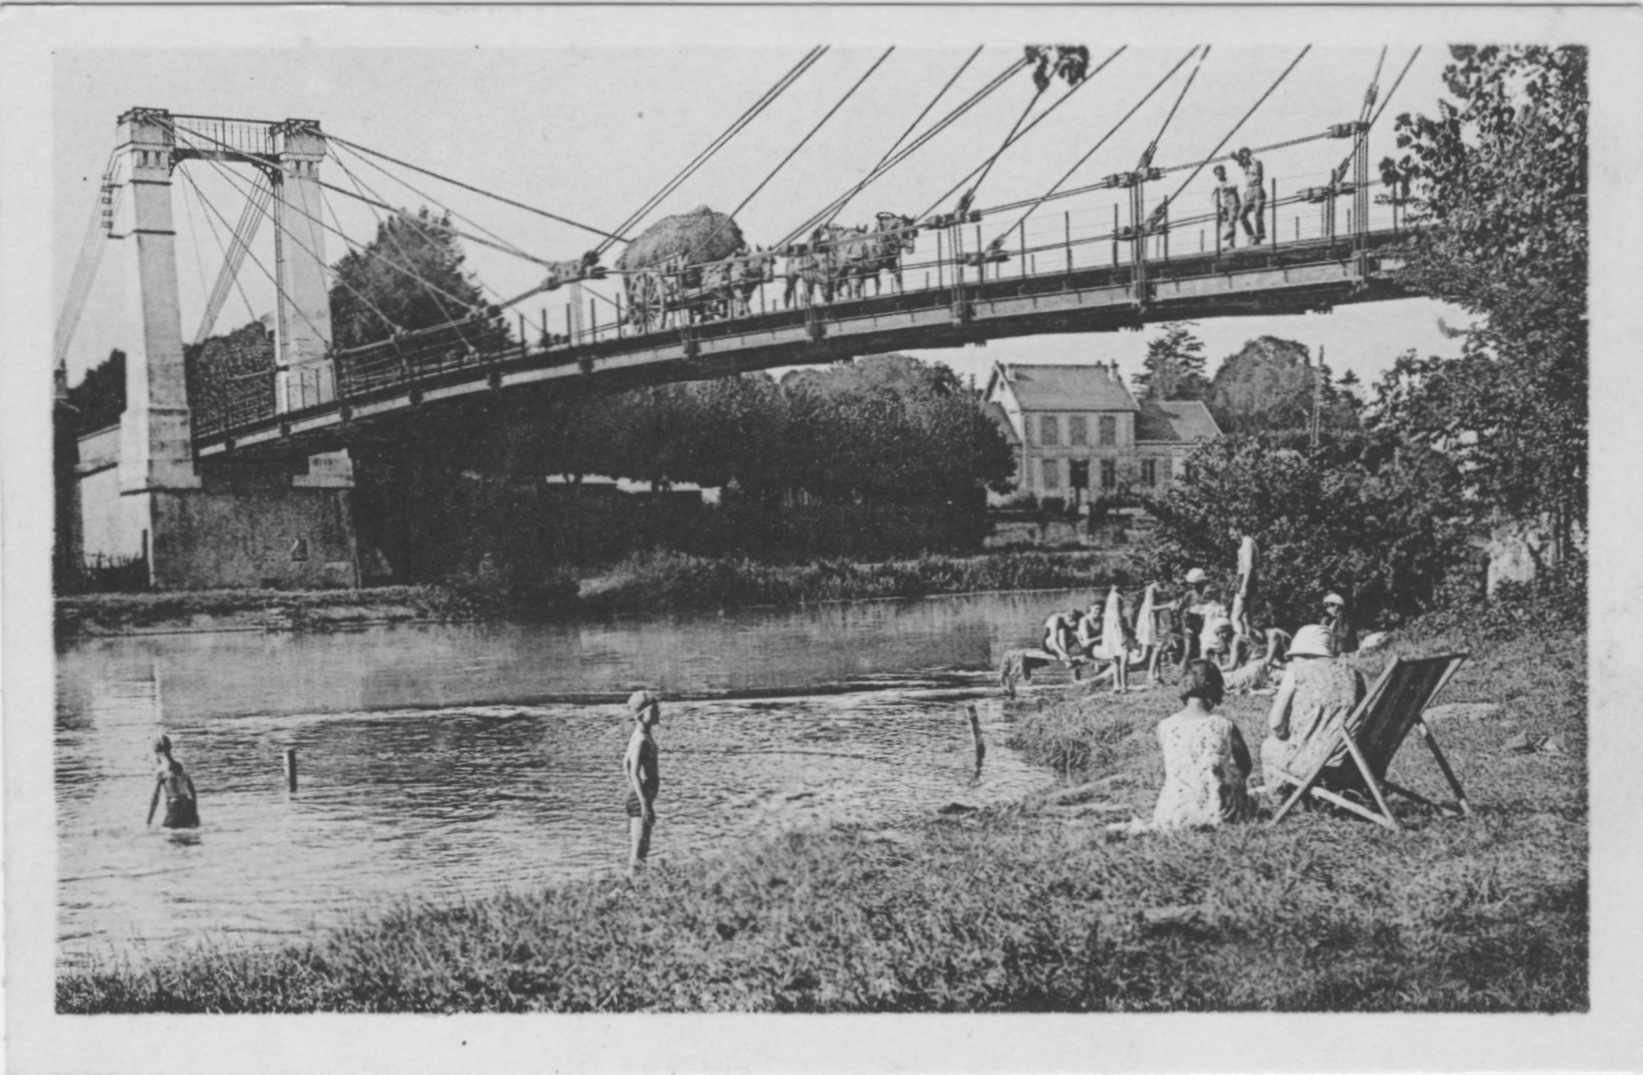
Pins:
x: 291, y: 767
x: 975, y: 737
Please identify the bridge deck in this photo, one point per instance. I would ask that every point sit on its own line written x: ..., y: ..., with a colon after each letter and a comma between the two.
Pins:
x: 1287, y: 278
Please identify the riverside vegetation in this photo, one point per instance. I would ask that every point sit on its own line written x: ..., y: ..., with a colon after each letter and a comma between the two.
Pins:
x: 1033, y: 907
x: 642, y: 583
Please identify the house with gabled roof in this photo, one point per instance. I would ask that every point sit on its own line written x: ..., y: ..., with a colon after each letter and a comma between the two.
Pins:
x: 1078, y: 433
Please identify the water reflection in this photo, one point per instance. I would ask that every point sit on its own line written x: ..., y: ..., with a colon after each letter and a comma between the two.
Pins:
x: 480, y: 763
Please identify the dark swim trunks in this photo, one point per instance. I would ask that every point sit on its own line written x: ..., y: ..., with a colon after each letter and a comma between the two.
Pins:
x: 181, y: 813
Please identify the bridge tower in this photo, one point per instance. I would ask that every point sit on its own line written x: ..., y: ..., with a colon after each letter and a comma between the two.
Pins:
x: 278, y: 520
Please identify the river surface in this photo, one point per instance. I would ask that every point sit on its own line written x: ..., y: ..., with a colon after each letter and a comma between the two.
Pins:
x: 450, y: 761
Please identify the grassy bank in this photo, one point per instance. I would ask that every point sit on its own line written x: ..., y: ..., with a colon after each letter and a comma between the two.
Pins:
x: 1032, y: 907
x: 641, y: 584
x: 673, y: 581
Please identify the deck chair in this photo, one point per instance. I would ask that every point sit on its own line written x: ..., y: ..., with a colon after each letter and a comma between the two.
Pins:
x: 1372, y: 734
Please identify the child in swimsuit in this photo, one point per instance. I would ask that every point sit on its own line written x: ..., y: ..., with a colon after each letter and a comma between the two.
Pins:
x: 643, y: 777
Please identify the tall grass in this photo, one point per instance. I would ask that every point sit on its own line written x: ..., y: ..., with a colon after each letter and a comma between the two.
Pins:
x: 1027, y: 908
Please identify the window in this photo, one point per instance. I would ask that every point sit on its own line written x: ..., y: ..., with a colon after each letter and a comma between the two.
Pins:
x: 1052, y: 473
x: 1078, y: 474
x: 1109, y: 431
x: 299, y: 549
x: 1049, y: 430
x: 1149, y: 472
x: 1078, y: 430
x: 1109, y: 473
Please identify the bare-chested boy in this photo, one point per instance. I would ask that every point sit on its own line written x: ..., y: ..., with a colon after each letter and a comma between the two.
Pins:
x: 639, y: 765
x: 181, y: 808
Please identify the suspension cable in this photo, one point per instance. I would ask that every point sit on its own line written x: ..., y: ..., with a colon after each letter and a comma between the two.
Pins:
x: 389, y: 232
x: 321, y: 261
x: 1152, y: 146
x: 871, y: 172
x: 233, y: 257
x: 998, y: 242
x: 86, y: 263
x: 477, y: 190
x: 272, y: 279
x: 509, y: 247
x: 791, y: 153
x: 194, y: 243
x: 1028, y: 129
x: 1164, y: 205
x: 752, y: 112
x: 957, y: 113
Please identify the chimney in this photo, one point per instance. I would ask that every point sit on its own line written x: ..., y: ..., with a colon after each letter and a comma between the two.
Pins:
x: 59, y: 381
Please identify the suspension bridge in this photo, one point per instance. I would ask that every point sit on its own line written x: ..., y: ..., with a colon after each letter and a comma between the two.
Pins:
x: 1305, y: 228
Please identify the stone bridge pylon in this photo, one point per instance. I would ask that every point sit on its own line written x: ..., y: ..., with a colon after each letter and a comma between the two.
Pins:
x: 282, y: 520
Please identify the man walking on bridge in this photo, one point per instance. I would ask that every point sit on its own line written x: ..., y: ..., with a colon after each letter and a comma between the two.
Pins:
x: 1254, y: 195
x: 1226, y: 208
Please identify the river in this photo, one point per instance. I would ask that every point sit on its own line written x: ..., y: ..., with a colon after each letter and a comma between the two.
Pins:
x: 444, y: 762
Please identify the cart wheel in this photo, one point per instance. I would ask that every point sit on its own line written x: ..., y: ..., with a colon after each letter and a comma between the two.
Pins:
x: 648, y: 303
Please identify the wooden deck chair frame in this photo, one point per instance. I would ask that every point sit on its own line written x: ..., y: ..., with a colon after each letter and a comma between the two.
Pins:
x: 1373, y: 732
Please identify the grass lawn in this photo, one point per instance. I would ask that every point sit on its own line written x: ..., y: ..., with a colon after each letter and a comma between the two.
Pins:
x: 1031, y: 907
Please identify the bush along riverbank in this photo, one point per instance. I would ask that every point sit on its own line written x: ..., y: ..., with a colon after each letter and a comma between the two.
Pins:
x: 1033, y: 907
x: 648, y: 583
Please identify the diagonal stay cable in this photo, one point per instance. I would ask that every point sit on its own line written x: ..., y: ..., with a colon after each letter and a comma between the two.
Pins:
x: 1395, y: 84
x: 1038, y: 92
x: 386, y: 228
x: 194, y: 242
x: 476, y: 190
x: 1164, y: 205
x: 1152, y: 146
x: 1028, y: 129
x: 998, y: 242
x: 752, y: 112
x: 314, y: 254
x: 873, y: 171
x: 924, y: 138
x: 851, y: 92
x: 509, y: 246
x: 272, y: 279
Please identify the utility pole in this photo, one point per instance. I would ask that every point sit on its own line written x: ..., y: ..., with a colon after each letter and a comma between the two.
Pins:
x: 1317, y: 395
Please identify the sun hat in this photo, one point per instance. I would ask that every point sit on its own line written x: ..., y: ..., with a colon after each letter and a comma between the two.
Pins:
x: 1196, y: 575
x: 1335, y: 599
x: 162, y: 745
x: 639, y: 701
x: 1312, y: 640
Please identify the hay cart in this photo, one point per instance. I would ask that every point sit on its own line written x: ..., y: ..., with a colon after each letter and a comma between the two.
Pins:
x: 672, y: 294
x: 672, y: 278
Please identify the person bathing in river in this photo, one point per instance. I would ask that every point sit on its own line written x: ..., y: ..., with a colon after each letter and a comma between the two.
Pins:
x: 639, y: 765
x: 1061, y: 637
x: 181, y: 806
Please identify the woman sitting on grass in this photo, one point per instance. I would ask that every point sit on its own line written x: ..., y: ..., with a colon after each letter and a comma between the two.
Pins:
x: 1206, y: 762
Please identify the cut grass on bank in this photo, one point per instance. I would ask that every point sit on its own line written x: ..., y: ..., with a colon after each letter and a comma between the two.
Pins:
x: 1028, y: 908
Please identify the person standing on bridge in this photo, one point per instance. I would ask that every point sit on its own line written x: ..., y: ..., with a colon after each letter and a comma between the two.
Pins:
x: 1254, y: 195
x: 1226, y: 208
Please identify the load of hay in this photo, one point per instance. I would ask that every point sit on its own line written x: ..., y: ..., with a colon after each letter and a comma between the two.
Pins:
x: 683, y: 234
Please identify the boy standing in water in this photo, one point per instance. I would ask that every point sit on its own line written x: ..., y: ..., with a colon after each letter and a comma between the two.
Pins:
x: 639, y: 765
x: 181, y: 811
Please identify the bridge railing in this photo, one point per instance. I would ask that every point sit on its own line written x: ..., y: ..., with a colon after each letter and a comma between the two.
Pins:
x: 1303, y: 214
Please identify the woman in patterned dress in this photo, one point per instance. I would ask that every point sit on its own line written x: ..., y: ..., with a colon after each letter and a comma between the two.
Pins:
x: 1206, y: 762
x: 1318, y: 691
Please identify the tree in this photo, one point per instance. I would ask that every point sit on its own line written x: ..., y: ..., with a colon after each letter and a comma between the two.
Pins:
x: 100, y: 397
x: 409, y: 276
x: 1497, y: 186
x: 1360, y: 514
x: 1271, y: 384
x: 1174, y: 366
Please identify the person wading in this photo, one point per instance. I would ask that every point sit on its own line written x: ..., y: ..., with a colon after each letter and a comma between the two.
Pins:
x: 643, y: 778
x: 181, y: 806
